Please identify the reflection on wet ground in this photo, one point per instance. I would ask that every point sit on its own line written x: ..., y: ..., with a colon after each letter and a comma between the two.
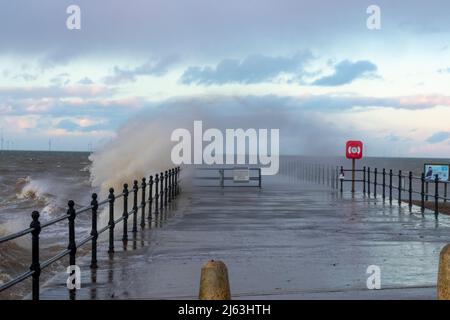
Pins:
x: 289, y: 240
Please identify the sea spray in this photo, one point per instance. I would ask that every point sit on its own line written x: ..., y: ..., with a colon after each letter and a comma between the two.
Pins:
x: 143, y: 145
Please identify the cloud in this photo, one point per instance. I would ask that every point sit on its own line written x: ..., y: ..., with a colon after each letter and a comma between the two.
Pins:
x: 61, y: 79
x: 55, y: 91
x: 26, y: 76
x: 151, y: 68
x: 252, y: 69
x: 85, y: 80
x: 197, y: 27
x: 438, y: 137
x: 82, y: 124
x: 444, y: 70
x: 346, y: 72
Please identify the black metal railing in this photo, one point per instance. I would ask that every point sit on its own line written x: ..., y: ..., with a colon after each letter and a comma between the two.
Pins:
x: 169, y: 189
x: 413, y: 186
x: 411, y: 189
x: 222, y: 177
x: 324, y: 174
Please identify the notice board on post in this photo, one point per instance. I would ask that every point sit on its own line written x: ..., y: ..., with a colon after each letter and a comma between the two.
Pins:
x: 433, y: 169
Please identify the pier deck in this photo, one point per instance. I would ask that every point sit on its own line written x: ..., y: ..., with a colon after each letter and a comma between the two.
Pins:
x: 289, y: 240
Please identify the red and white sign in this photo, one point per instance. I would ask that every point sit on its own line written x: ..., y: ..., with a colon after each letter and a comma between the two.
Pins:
x: 354, y: 149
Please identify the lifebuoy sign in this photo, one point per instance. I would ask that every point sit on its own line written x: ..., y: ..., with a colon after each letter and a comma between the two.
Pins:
x: 354, y: 149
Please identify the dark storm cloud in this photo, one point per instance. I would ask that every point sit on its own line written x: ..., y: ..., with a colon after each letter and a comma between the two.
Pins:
x: 201, y: 28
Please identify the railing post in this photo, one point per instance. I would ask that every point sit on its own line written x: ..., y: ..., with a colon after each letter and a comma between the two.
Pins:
x: 332, y: 177
x: 135, y: 205
x: 35, y: 264
x: 161, y: 181
x: 221, y: 174
x: 150, y: 197
x: 329, y: 176
x: 410, y: 189
x: 400, y: 187
x: 445, y: 190
x: 169, y: 188
x: 436, y: 195
x: 94, y: 232
x: 156, y: 193
x: 143, y: 202
x: 337, y: 176
x: 426, y: 191
x: 422, y: 192
x: 316, y: 174
x: 111, y: 223
x: 342, y: 179
x: 384, y: 184
x: 72, y: 244
x: 390, y: 186
x: 125, y: 212
x: 259, y: 178
x: 178, y: 179
x: 174, y: 183
x: 364, y: 180
x: 375, y: 182
x: 166, y: 176
x: 323, y: 174
x: 368, y: 181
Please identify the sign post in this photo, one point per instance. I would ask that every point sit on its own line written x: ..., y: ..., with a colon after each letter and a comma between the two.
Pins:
x: 353, y: 150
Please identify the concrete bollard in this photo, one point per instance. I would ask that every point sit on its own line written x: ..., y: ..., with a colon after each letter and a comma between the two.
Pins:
x: 214, y: 284
x: 443, y: 286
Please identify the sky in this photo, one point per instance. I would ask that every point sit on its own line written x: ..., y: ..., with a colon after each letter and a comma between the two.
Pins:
x: 316, y: 59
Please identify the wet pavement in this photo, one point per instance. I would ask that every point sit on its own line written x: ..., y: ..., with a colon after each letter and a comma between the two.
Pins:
x: 289, y: 240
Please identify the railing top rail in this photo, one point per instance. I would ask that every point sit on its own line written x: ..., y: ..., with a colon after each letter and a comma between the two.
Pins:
x: 231, y: 168
x: 16, y: 235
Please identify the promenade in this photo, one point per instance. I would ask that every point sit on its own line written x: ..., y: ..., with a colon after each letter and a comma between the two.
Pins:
x: 288, y: 240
